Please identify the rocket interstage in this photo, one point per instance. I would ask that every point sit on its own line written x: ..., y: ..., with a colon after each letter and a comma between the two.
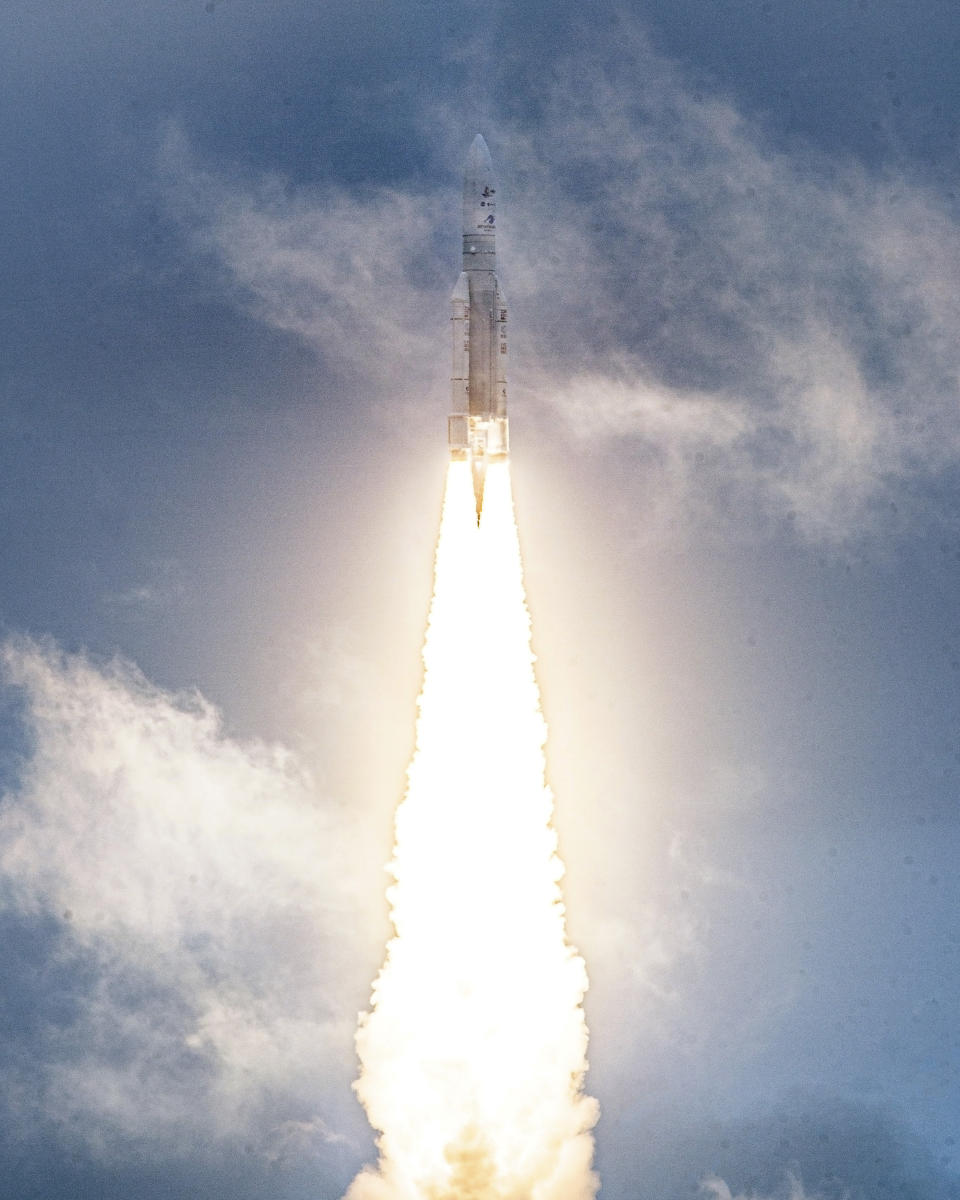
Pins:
x: 477, y: 426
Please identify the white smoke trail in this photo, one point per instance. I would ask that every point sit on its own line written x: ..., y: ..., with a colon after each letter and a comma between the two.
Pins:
x: 474, y: 1053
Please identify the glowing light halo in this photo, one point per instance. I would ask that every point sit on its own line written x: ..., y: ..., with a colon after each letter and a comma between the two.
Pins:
x: 474, y: 1051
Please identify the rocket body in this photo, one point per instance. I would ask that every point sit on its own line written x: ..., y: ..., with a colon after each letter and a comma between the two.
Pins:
x: 477, y: 426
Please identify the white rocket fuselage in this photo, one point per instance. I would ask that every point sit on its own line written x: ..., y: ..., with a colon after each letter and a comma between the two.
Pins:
x: 477, y: 427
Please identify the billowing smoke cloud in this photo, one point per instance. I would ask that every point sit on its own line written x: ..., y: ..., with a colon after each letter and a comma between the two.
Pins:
x: 181, y: 881
x: 760, y: 337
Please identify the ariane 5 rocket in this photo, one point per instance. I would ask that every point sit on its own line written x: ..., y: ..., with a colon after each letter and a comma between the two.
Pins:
x: 477, y: 426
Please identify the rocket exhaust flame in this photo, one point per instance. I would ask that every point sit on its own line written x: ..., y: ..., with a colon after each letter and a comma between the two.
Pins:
x: 474, y: 1052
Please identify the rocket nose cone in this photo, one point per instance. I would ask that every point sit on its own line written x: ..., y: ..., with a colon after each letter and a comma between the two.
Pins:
x: 478, y: 172
x: 479, y: 156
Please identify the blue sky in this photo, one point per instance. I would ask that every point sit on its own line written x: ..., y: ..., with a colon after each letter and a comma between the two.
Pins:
x: 731, y: 246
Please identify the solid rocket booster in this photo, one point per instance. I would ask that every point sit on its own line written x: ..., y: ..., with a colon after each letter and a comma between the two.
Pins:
x: 477, y: 426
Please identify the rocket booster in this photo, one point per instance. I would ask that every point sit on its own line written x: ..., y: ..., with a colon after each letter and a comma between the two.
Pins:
x: 477, y: 426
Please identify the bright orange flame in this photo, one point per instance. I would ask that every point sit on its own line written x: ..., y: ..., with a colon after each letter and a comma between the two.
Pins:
x: 474, y: 1053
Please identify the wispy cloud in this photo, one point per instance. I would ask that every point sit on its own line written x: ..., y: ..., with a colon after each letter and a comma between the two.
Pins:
x: 163, y: 585
x: 349, y: 274
x: 718, y: 1189
x: 201, y: 919
x: 794, y: 316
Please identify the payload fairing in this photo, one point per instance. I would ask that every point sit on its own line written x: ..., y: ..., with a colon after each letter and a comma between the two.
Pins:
x: 477, y: 426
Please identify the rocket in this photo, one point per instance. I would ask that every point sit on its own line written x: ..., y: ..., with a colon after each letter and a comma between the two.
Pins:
x: 477, y: 425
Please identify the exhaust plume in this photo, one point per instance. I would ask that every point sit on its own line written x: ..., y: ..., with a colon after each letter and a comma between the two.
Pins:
x: 474, y: 1052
